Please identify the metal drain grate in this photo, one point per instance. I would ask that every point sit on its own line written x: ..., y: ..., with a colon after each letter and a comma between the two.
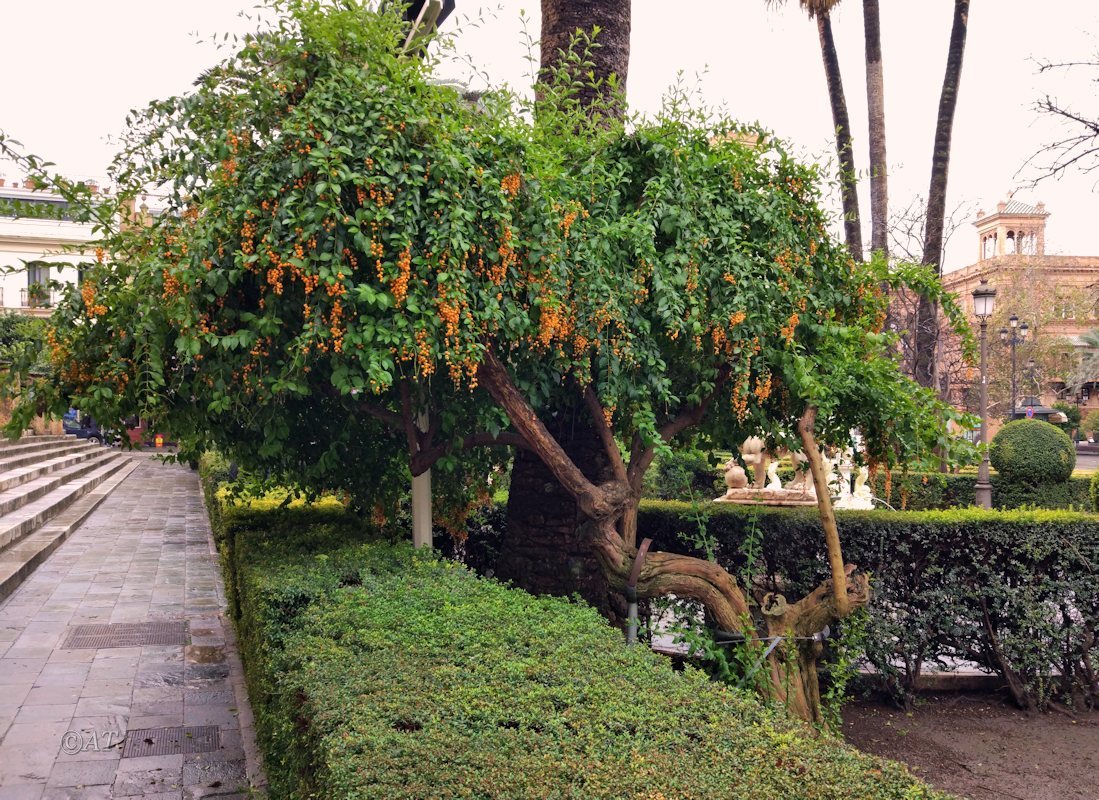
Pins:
x: 125, y: 634
x: 171, y: 741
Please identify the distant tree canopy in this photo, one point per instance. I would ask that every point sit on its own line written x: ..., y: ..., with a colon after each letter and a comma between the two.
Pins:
x: 357, y: 273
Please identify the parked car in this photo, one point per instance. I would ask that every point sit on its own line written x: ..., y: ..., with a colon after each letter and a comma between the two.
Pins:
x: 83, y: 428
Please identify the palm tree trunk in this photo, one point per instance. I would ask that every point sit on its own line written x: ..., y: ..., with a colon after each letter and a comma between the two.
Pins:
x: 927, y: 332
x: 852, y: 224
x: 547, y: 549
x: 875, y: 101
x: 610, y: 58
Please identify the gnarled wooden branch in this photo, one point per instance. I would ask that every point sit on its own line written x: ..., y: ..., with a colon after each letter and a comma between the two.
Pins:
x: 597, y: 502
x: 824, y: 505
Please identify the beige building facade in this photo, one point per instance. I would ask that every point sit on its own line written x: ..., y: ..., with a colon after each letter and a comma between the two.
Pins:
x: 1057, y: 296
x: 39, y: 245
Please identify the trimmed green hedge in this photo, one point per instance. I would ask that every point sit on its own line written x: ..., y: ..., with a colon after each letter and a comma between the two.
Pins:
x: 940, y: 491
x: 377, y: 673
x: 942, y: 580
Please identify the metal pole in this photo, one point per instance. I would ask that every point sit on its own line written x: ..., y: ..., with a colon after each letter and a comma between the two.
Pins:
x: 984, y: 488
x: 1013, y: 392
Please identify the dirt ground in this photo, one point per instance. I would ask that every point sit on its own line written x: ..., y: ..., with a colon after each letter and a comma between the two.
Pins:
x: 979, y: 747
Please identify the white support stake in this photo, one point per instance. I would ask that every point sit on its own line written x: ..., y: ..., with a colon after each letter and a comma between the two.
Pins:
x: 421, y: 501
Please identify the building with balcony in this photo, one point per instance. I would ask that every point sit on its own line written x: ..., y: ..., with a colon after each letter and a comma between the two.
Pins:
x: 1056, y: 295
x: 39, y: 245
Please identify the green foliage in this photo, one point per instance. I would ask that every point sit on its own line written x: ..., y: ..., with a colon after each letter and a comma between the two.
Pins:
x: 942, y: 580
x: 378, y: 672
x: 682, y: 473
x: 1091, y: 421
x: 1072, y: 412
x: 937, y: 491
x: 1032, y: 451
x: 23, y: 341
x: 1093, y: 491
x: 345, y: 238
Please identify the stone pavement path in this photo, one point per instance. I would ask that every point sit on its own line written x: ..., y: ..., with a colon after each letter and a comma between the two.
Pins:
x: 144, y: 555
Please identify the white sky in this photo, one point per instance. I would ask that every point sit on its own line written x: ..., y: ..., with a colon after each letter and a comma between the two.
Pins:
x: 73, y: 68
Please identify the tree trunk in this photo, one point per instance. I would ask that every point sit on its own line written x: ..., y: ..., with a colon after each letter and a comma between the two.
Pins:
x: 852, y: 224
x: 604, y: 504
x: 927, y: 331
x: 546, y: 547
x: 875, y: 102
x: 544, y: 550
x: 561, y: 19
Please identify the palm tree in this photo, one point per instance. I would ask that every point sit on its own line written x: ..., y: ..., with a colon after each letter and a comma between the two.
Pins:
x: 875, y: 103
x: 1087, y: 371
x: 609, y: 59
x: 545, y: 550
x: 927, y: 329
x: 821, y: 10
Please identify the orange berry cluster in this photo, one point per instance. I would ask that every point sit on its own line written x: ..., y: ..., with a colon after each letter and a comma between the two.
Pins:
x: 337, y: 288
x: 508, y: 257
x: 335, y: 324
x: 425, y: 362
x: 740, y: 398
x: 509, y: 184
x: 553, y: 323
x: 171, y: 285
x: 91, y: 308
x: 788, y: 329
x: 763, y: 386
x: 399, y: 287
x: 247, y: 235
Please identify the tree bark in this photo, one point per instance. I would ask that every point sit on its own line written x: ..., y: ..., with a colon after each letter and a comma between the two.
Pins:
x: 544, y: 549
x: 875, y: 102
x: 852, y: 223
x: 927, y: 330
x: 561, y: 19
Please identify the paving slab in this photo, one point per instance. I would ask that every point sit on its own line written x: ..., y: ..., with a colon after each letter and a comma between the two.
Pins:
x: 144, y: 555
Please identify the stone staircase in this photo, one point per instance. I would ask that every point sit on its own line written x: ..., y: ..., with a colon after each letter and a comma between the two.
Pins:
x: 48, y: 486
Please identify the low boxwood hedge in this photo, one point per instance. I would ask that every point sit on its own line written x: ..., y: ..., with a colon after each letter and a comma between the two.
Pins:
x: 1017, y: 592
x: 926, y: 491
x: 376, y: 672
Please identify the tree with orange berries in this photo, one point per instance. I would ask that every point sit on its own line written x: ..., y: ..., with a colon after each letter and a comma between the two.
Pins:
x: 356, y: 273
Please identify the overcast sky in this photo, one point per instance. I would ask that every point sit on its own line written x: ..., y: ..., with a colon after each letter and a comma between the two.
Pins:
x: 73, y: 68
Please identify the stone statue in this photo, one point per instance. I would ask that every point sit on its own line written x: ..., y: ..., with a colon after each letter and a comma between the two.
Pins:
x: 861, y: 497
x: 766, y: 488
x: 735, y: 477
x: 755, y: 455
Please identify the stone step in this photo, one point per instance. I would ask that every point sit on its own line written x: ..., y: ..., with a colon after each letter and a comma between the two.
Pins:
x: 21, y: 475
x: 42, y: 453
x: 6, y: 444
x: 29, y: 491
x: 19, y: 523
x: 34, y: 444
x: 20, y: 560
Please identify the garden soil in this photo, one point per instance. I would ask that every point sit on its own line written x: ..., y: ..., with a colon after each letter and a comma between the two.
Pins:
x: 982, y: 748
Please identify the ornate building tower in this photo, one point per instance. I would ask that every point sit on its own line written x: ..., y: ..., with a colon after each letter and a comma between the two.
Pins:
x: 1015, y: 229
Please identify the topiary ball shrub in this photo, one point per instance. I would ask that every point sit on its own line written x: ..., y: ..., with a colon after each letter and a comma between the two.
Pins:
x: 1032, y: 451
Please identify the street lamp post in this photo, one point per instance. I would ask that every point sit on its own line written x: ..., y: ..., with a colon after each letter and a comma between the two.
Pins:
x: 1016, y: 336
x: 1032, y: 383
x: 984, y: 301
